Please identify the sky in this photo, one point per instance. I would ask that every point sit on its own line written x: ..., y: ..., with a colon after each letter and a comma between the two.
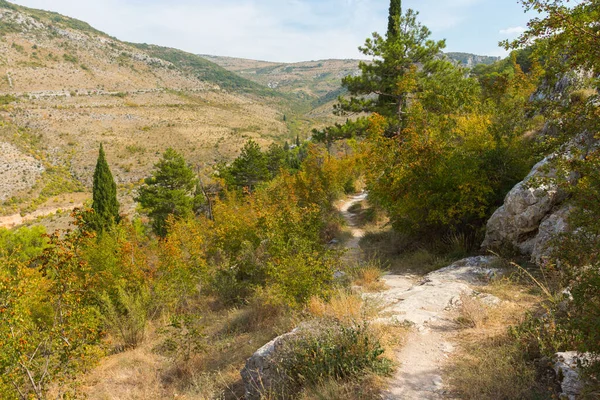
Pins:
x: 290, y: 30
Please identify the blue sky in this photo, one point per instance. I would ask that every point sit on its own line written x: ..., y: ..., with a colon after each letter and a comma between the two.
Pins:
x: 290, y: 30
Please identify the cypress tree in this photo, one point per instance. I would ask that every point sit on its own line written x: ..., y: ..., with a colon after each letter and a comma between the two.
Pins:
x: 394, y: 18
x: 105, y: 204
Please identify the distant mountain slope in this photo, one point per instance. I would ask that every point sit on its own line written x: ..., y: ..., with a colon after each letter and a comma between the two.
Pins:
x: 205, y: 70
x: 65, y: 87
x: 471, y: 60
x: 316, y: 80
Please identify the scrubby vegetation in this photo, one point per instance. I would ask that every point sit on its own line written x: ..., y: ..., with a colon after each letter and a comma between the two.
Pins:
x: 111, y: 285
x: 207, y: 272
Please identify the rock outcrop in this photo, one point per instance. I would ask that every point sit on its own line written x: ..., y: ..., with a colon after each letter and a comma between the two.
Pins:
x: 567, y: 370
x: 424, y: 303
x: 551, y: 226
x: 534, y: 211
x: 517, y: 222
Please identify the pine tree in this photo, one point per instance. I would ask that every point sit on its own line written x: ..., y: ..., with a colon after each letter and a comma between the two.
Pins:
x: 170, y: 190
x: 402, y: 61
x: 394, y: 18
x: 249, y: 169
x: 105, y: 204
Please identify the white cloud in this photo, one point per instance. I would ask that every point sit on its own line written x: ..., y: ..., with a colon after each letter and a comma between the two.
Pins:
x: 275, y: 30
x: 512, y: 31
x: 280, y: 30
x: 443, y: 15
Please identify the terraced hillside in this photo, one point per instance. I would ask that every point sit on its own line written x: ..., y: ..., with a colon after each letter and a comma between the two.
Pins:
x: 311, y: 79
x: 65, y: 87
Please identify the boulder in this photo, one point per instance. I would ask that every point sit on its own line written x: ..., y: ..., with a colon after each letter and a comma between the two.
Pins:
x: 260, y: 374
x: 516, y: 223
x: 567, y: 370
x: 424, y: 303
x: 553, y: 225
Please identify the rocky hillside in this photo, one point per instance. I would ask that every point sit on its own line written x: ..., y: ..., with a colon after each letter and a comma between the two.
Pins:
x: 471, y: 60
x: 65, y: 87
x: 316, y: 80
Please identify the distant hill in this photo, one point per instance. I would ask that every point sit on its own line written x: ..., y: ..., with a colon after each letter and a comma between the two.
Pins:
x: 320, y: 80
x: 471, y: 60
x: 65, y: 87
x: 314, y: 79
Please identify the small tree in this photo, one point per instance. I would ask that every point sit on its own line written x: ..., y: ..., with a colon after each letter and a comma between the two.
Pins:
x: 249, y: 169
x: 105, y: 204
x: 277, y: 158
x: 170, y: 190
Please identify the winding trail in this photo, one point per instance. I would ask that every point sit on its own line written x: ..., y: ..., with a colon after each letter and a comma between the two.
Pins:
x: 353, y: 243
x: 428, y: 305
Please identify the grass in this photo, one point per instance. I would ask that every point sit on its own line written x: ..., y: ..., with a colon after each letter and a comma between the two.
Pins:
x: 473, y: 313
x: 368, y: 276
x: 344, y: 306
x: 363, y: 388
x: 398, y: 255
x: 495, y: 368
x: 490, y: 363
x: 228, y: 337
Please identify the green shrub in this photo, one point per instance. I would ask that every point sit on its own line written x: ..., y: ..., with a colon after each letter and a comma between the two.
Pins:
x: 125, y: 315
x: 7, y: 99
x: 24, y: 243
x: 332, y: 351
x: 70, y: 58
x: 183, y: 337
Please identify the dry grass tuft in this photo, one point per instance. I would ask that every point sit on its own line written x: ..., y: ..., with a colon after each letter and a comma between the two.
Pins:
x: 494, y: 369
x: 127, y: 376
x: 365, y: 388
x: 369, y: 278
x: 472, y: 312
x: 343, y: 306
x: 490, y: 364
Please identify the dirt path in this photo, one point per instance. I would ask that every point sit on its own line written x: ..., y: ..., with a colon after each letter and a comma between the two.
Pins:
x: 15, y: 220
x: 428, y: 304
x: 356, y: 232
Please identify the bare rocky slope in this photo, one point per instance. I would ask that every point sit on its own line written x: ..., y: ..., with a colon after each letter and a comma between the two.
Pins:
x: 318, y: 80
x: 65, y: 87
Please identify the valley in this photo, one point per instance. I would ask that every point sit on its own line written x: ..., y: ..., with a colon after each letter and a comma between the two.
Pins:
x: 417, y: 225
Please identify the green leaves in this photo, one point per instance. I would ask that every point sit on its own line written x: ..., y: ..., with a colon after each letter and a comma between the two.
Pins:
x: 170, y: 190
x: 105, y: 204
x: 250, y: 169
x: 401, y: 63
